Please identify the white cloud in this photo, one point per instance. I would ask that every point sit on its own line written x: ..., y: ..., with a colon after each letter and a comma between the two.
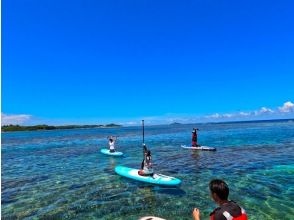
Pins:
x: 265, y: 110
x: 228, y: 115
x: 14, y: 119
x: 223, y: 116
x: 263, y: 113
x: 129, y: 123
x: 287, y: 107
x: 216, y: 115
x: 244, y: 113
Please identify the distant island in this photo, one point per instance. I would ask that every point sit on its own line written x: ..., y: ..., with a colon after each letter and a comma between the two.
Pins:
x: 175, y: 123
x: 6, y: 128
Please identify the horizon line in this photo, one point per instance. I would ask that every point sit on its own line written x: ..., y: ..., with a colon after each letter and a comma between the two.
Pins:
x: 172, y: 123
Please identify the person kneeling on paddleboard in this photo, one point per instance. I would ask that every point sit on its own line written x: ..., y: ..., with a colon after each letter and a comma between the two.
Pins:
x: 227, y: 210
x: 194, y: 137
x: 111, y: 142
x: 146, y: 166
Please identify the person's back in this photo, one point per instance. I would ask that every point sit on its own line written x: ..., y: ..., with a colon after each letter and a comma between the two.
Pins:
x: 227, y: 210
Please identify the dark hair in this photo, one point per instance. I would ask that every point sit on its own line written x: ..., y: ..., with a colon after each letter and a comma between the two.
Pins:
x: 110, y: 139
x: 148, y: 153
x: 220, y: 188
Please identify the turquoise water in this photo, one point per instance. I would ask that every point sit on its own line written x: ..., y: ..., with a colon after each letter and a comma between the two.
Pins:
x: 61, y: 174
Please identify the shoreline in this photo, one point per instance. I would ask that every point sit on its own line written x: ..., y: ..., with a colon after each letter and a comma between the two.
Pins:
x: 17, y: 128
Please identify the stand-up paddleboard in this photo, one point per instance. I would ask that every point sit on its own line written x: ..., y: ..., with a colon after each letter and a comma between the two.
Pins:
x: 107, y: 152
x: 151, y: 218
x: 199, y: 148
x: 158, y: 179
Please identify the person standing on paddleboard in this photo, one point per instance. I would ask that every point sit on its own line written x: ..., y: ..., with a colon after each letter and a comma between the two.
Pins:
x: 194, y: 137
x: 111, y: 143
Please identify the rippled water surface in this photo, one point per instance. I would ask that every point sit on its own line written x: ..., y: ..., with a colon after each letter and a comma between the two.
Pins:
x: 61, y: 174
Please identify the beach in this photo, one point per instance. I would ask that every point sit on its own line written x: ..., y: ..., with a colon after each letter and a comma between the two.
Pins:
x: 60, y: 174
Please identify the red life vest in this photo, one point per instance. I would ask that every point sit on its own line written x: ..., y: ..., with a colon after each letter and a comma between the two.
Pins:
x: 228, y: 216
x: 194, y: 136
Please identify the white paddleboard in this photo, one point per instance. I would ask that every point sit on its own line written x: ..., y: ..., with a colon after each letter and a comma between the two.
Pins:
x: 151, y: 218
x: 206, y: 148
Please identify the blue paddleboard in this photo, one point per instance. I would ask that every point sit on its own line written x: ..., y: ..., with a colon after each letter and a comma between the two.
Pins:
x: 107, y: 152
x: 158, y: 179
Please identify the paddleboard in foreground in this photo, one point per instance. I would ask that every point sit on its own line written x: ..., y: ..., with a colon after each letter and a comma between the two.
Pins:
x: 151, y: 218
x: 107, y: 152
x: 199, y: 148
x: 158, y: 179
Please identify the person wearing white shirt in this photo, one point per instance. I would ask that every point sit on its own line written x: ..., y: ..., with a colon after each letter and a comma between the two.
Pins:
x: 111, y: 143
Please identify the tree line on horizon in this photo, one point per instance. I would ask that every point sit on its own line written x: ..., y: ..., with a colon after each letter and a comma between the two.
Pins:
x: 11, y: 127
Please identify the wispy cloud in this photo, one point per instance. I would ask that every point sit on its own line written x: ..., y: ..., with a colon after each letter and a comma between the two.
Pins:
x: 244, y: 114
x: 14, y: 119
x: 130, y: 123
x: 265, y: 110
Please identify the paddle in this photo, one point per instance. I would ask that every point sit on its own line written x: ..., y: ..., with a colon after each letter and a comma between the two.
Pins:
x: 143, y: 130
x: 144, y: 146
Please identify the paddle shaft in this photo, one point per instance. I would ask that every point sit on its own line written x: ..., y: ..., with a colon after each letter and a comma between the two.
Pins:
x: 143, y: 139
x: 143, y: 131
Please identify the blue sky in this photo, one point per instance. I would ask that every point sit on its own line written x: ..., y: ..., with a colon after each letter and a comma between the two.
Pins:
x: 88, y: 62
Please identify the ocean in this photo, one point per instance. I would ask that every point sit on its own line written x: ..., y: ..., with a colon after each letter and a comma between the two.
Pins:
x: 60, y: 174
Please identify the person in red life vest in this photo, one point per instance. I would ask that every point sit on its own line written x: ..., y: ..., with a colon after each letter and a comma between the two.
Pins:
x: 146, y: 166
x: 194, y: 137
x: 227, y: 210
